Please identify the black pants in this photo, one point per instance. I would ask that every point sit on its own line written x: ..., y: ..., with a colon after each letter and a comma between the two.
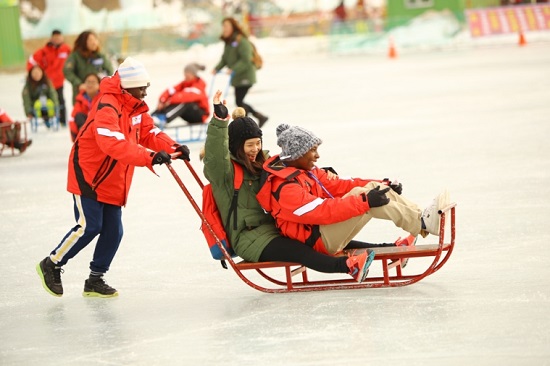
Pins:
x: 62, y: 110
x: 190, y: 112
x: 240, y: 93
x: 283, y: 249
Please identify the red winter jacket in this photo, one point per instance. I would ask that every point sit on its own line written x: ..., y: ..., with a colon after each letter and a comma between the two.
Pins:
x: 4, y: 118
x: 299, y: 204
x: 111, y: 143
x: 82, y: 106
x: 51, y: 59
x: 193, y: 91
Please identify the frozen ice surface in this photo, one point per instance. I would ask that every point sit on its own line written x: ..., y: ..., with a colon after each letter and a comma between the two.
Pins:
x: 473, y: 121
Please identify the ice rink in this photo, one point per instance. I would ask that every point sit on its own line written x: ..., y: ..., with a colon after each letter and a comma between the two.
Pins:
x: 475, y: 120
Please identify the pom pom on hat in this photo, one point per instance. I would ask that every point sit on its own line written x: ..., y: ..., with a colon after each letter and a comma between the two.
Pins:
x: 133, y: 74
x: 238, y: 112
x: 295, y: 141
x: 240, y: 130
x: 194, y: 68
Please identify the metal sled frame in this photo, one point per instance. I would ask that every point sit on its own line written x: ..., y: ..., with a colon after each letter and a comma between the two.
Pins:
x: 390, y: 257
x: 190, y: 132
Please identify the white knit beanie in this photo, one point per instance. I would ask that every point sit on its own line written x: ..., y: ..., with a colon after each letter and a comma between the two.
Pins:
x: 295, y: 141
x: 133, y: 74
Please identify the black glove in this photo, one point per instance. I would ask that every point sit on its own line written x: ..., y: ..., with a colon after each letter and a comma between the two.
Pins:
x: 377, y: 197
x: 397, y: 188
x: 220, y: 111
x: 184, y: 150
x: 162, y: 157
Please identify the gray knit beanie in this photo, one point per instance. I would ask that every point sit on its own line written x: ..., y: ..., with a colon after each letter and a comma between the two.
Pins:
x: 295, y: 141
x: 194, y: 68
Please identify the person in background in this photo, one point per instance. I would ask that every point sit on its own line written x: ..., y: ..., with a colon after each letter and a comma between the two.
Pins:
x: 83, y: 104
x: 10, y: 133
x: 51, y: 58
x: 39, y: 96
x: 187, y: 100
x: 85, y: 59
x: 116, y: 138
x: 237, y: 57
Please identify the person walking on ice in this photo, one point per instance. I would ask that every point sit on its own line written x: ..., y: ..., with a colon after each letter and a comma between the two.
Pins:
x: 113, y: 141
x: 327, y: 214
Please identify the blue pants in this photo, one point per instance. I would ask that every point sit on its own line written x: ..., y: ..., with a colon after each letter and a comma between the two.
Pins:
x: 92, y: 218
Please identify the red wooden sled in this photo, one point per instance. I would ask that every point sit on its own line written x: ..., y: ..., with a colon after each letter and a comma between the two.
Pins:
x: 295, y: 278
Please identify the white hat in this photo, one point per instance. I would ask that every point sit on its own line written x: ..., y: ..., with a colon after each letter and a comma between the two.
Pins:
x: 133, y: 74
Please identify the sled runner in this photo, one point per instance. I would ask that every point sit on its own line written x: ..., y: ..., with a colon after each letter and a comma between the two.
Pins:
x: 295, y: 276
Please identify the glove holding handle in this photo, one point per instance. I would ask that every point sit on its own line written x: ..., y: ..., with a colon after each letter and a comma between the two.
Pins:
x: 162, y: 157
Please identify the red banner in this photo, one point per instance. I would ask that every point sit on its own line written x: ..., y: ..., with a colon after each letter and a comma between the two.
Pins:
x: 509, y: 19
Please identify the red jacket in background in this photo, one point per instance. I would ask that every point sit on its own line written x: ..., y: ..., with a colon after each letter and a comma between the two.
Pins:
x: 111, y: 143
x: 4, y: 118
x: 82, y: 105
x: 51, y: 59
x: 299, y: 203
x: 193, y: 91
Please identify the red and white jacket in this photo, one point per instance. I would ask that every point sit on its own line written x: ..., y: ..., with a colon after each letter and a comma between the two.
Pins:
x: 82, y: 105
x: 111, y: 143
x: 193, y: 91
x: 51, y: 59
x: 299, y: 204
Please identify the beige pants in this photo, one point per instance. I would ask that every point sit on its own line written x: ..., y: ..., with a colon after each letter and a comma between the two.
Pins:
x: 404, y: 214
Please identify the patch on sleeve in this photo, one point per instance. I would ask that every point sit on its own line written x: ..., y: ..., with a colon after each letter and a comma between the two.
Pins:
x: 136, y: 120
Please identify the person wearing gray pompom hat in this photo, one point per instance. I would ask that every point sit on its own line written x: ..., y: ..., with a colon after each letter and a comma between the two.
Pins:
x: 325, y: 213
x: 295, y: 141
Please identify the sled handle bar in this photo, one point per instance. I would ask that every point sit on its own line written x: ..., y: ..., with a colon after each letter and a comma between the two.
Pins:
x: 193, y: 172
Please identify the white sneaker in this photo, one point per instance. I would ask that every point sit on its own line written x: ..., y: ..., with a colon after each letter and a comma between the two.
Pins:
x: 431, y: 213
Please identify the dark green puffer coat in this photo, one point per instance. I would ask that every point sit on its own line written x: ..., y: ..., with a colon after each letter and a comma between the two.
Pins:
x: 255, y: 228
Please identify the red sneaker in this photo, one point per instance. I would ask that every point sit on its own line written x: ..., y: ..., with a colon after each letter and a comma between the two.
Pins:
x: 359, y: 264
x: 409, y: 241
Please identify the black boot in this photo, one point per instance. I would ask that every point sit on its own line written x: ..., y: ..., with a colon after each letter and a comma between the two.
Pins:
x: 261, y: 118
x: 51, y: 276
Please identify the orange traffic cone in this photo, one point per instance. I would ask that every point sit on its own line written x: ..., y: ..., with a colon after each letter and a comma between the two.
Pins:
x: 522, y: 42
x: 392, y: 53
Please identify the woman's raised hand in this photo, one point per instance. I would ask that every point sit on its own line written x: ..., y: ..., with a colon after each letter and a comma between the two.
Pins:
x: 217, y: 97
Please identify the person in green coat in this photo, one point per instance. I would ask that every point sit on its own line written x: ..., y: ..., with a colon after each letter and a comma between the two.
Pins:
x: 39, y: 96
x: 237, y: 58
x: 86, y: 59
x: 256, y: 238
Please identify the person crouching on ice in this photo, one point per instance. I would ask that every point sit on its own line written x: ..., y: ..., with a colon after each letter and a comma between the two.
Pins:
x: 327, y: 214
x: 101, y: 165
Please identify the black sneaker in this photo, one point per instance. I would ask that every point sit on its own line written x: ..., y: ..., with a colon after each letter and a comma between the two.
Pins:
x: 51, y: 276
x: 96, y: 287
